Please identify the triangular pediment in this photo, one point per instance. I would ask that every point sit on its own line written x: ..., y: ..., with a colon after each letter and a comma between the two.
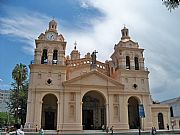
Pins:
x: 93, y: 78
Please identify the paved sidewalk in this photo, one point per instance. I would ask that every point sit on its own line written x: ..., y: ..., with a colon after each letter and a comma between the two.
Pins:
x: 100, y: 132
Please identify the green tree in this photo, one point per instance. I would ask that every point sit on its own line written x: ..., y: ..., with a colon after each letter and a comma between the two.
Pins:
x: 3, y: 118
x: 18, y: 95
x: 6, y: 118
x: 171, y: 4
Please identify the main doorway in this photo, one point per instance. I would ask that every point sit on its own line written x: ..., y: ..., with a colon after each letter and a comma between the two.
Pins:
x: 49, y: 112
x: 93, y: 111
x: 133, y: 113
x: 160, y: 121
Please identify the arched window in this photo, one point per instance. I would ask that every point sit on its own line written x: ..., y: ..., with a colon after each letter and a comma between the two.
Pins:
x: 44, y: 58
x: 160, y: 121
x: 55, y: 55
x: 171, y: 112
x: 136, y: 62
x: 127, y: 62
x: 123, y: 34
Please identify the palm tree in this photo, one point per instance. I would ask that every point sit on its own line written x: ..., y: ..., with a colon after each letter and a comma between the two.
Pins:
x: 19, y: 74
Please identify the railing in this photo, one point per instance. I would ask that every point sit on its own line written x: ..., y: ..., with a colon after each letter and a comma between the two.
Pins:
x: 74, y: 63
x: 53, y: 62
x: 84, y: 61
x: 132, y: 68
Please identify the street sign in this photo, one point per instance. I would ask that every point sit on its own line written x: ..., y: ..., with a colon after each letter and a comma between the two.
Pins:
x: 141, y: 111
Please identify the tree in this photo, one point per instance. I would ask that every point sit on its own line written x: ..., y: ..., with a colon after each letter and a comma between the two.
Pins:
x: 171, y: 4
x: 6, y: 118
x: 18, y: 95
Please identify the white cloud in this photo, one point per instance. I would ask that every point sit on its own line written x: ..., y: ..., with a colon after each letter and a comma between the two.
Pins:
x: 84, y: 4
x: 24, y: 25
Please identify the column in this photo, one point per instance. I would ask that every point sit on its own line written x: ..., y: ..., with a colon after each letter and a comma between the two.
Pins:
x: 123, y: 63
x: 61, y: 57
x: 37, y: 57
x: 107, y: 115
x: 50, y: 57
x: 132, y: 65
x: 38, y: 113
x: 28, y: 112
x: 141, y: 64
x: 123, y: 113
x: 58, y: 115
x: 148, y: 115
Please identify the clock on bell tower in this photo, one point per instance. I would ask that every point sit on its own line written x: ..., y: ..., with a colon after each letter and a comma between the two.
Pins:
x: 50, y: 47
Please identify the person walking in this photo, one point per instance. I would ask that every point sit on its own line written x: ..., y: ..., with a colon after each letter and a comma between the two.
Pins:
x: 167, y: 126
x: 107, y: 129
x: 112, y: 130
x: 57, y: 132
x: 153, y: 131
x: 172, y: 125
x: 18, y: 130
x: 41, y: 131
x: 36, y: 128
x: 103, y: 128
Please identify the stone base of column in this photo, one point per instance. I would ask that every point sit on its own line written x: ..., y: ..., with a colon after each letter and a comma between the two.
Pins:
x: 71, y: 127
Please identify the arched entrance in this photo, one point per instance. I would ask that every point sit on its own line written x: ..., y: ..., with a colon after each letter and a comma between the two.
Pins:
x: 93, y: 111
x: 133, y: 113
x: 160, y: 121
x: 49, y: 112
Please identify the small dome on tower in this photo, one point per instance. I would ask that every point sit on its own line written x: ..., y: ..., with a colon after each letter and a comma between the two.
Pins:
x: 125, y: 33
x: 75, y: 53
x: 52, y: 25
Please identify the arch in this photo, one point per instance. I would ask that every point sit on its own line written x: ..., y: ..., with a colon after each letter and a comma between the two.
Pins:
x: 49, y: 112
x: 171, y: 112
x: 127, y: 62
x: 44, y: 58
x: 160, y: 121
x: 136, y: 63
x: 123, y: 34
x: 133, y: 113
x: 93, y: 110
x: 55, y: 56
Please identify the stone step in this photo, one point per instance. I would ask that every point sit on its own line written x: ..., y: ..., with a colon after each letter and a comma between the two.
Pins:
x: 94, y: 132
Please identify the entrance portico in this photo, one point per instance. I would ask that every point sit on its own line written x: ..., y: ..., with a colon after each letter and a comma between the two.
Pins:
x: 49, y: 112
x: 93, y: 110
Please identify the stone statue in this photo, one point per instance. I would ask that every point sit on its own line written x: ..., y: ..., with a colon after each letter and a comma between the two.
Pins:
x: 93, y: 57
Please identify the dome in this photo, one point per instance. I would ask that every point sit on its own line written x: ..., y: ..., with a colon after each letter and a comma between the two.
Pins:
x: 52, y: 25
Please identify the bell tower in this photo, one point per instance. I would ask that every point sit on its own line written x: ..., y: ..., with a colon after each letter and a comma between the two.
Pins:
x: 50, y: 47
x: 47, y: 72
x: 125, y: 33
x: 128, y: 68
x: 128, y: 64
x: 53, y: 25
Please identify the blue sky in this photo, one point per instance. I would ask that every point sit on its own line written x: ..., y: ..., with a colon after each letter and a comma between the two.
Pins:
x: 95, y: 24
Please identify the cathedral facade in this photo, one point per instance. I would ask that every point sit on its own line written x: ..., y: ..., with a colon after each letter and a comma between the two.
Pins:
x: 74, y: 93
